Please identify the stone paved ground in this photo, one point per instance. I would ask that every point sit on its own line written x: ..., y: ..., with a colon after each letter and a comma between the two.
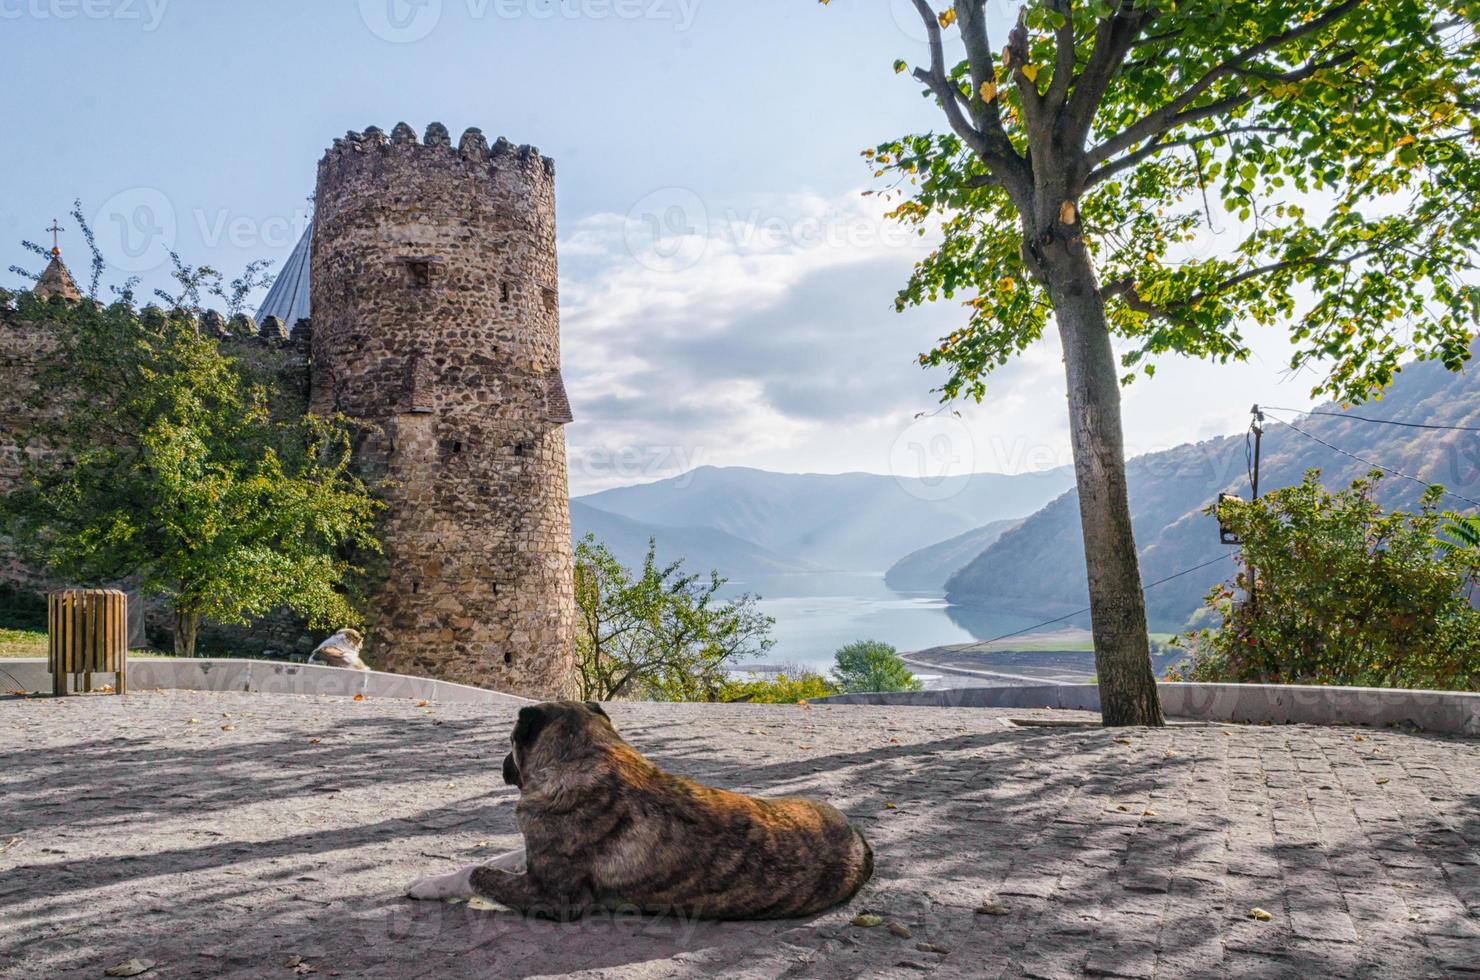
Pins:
x: 226, y: 835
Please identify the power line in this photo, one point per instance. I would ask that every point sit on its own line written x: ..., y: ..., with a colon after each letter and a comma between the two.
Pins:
x: 1081, y: 612
x: 1364, y: 418
x: 1361, y: 459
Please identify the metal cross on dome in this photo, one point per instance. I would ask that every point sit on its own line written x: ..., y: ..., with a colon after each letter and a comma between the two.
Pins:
x: 55, y: 230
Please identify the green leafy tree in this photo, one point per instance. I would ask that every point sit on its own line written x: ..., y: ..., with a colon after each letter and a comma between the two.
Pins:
x: 1460, y: 536
x: 163, y: 465
x: 1079, y: 164
x: 870, y: 666
x: 659, y: 633
x: 1344, y: 594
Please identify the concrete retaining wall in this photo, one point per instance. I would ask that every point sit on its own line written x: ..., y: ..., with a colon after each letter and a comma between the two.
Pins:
x: 263, y: 677
x: 1280, y: 704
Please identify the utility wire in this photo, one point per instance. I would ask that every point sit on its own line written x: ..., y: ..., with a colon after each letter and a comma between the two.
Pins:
x: 1363, y: 418
x: 1362, y: 459
x: 1081, y: 612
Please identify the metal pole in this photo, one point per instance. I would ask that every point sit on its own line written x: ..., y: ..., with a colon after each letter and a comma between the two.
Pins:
x: 1258, y: 427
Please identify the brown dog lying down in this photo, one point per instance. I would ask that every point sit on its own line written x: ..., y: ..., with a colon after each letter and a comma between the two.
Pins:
x: 604, y: 828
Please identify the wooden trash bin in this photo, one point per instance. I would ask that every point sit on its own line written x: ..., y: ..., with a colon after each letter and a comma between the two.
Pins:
x: 87, y: 633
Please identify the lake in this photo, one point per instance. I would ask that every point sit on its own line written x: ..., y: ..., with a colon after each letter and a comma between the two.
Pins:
x: 816, y: 614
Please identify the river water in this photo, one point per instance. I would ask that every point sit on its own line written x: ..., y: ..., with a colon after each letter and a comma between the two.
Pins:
x: 816, y: 614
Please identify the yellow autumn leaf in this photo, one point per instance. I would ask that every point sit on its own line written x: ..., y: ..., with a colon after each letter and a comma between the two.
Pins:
x: 988, y: 90
x: 1030, y: 72
x: 947, y: 17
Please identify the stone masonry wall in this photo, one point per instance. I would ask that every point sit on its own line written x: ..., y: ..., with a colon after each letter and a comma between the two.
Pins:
x: 436, y: 319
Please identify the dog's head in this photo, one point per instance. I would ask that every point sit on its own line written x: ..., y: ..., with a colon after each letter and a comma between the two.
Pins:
x: 554, y: 732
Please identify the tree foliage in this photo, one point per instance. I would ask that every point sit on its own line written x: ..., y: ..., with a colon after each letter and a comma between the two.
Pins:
x: 1340, y: 136
x: 1344, y: 594
x: 659, y: 633
x: 793, y: 686
x: 161, y: 463
x: 871, y: 666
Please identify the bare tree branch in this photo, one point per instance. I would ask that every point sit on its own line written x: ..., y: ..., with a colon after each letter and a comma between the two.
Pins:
x: 1066, y: 56
x: 992, y: 147
x: 1113, y: 41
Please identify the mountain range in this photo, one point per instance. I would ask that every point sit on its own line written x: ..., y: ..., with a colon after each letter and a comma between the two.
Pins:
x: 748, y: 522
x: 1038, y: 567
x: 1011, y: 544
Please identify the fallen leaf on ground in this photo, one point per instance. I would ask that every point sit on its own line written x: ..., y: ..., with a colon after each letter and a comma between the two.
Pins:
x: 1381, y: 781
x: 902, y: 931
x: 314, y: 741
x: 992, y: 908
x: 130, y: 968
x: 890, y: 806
x: 293, y: 961
x: 1257, y: 913
x: 1123, y: 741
x: 868, y: 920
x: 423, y: 704
x: 228, y: 728
x: 1149, y: 813
x: 10, y: 843
x: 481, y: 904
x: 931, y: 948
x: 19, y: 694
x: 359, y: 697
x: 192, y: 721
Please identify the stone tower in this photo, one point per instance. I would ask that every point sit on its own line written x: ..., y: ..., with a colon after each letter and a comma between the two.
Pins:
x: 436, y: 320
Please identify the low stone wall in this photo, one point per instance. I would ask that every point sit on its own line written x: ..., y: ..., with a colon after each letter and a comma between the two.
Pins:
x: 262, y: 677
x: 1279, y: 704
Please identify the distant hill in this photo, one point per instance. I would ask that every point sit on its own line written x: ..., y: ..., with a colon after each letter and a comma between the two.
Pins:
x: 1038, y: 568
x: 702, y: 549
x: 928, y: 569
x: 857, y: 522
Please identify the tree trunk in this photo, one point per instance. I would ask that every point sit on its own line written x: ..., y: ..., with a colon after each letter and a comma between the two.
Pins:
x: 1128, y: 693
x: 187, y: 624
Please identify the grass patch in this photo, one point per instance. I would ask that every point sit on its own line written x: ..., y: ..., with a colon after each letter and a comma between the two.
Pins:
x: 22, y: 643
x: 16, y: 644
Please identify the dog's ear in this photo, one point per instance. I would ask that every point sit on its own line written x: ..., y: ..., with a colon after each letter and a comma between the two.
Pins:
x: 511, y: 771
x: 596, y: 709
x: 532, y: 721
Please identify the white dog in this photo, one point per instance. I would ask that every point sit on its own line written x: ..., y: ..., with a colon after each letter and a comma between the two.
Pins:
x: 340, y: 650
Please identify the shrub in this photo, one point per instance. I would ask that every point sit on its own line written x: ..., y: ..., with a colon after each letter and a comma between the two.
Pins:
x: 1344, y: 594
x: 870, y: 666
x: 782, y: 689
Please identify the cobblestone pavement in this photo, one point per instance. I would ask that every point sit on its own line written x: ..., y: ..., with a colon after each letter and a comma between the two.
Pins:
x: 261, y: 836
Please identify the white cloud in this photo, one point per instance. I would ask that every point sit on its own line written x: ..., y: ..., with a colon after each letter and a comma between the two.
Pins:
x: 763, y: 334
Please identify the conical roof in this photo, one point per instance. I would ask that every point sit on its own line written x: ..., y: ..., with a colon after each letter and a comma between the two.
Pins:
x: 56, y: 281
x: 288, y: 298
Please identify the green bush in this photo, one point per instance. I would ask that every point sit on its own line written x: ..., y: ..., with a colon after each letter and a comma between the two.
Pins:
x: 870, y: 666
x: 781, y: 689
x: 1345, y: 593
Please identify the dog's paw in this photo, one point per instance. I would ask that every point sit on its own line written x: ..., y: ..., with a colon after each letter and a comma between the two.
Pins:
x: 426, y: 889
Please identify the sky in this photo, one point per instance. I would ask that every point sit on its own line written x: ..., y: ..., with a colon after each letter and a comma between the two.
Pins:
x: 726, y: 289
